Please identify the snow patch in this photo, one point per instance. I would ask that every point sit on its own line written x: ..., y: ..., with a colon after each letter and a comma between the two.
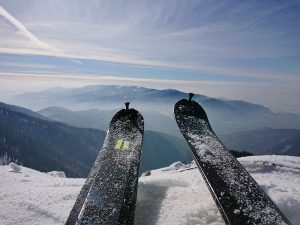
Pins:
x: 205, y: 152
x: 202, y: 149
x: 15, y: 167
x: 175, y: 166
x: 57, y: 174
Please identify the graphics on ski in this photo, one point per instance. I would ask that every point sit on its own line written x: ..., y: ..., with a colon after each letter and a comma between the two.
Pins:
x: 109, y: 193
x: 237, y: 195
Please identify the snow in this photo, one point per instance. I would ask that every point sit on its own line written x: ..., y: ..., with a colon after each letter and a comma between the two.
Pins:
x: 173, y: 195
x: 175, y: 166
x: 57, y: 174
x: 15, y: 167
x: 202, y: 149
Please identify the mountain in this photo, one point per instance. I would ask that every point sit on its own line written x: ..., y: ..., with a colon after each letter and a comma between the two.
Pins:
x: 226, y: 116
x: 99, y: 119
x: 266, y: 141
x: 45, y: 145
x: 161, y: 149
x: 251, y: 141
x: 99, y: 96
x: 21, y: 110
x: 90, y: 118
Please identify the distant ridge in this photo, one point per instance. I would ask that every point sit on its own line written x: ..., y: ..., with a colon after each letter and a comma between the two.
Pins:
x: 226, y: 116
x: 46, y: 145
x: 266, y: 141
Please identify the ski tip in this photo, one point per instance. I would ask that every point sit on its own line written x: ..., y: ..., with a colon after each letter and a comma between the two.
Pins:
x: 130, y: 115
x: 189, y: 107
x: 191, y: 95
x: 127, y: 106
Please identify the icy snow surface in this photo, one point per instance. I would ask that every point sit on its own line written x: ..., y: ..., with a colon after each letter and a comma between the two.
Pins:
x: 15, y: 167
x: 172, y: 195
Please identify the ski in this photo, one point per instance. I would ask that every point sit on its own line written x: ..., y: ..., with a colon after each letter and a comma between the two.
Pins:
x: 237, y: 195
x: 109, y: 193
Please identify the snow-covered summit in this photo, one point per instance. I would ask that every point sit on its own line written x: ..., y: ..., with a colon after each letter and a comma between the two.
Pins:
x: 173, y: 195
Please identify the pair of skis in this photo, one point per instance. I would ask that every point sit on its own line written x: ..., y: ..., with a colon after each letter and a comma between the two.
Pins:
x: 109, y: 193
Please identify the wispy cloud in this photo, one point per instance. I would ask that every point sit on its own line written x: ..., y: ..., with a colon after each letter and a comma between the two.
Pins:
x: 171, y: 34
x: 25, y: 32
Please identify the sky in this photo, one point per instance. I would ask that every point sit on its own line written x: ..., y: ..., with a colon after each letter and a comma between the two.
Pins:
x: 247, y: 50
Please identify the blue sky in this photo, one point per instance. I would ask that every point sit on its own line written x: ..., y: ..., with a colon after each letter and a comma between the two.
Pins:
x: 247, y: 50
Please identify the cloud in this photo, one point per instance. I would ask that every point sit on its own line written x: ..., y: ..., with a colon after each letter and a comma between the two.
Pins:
x: 205, y: 37
x: 25, y: 32
x: 111, y: 79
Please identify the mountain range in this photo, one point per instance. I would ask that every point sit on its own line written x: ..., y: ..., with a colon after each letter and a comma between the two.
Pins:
x: 266, y: 141
x: 99, y: 119
x: 69, y: 139
x: 226, y: 116
x: 258, y: 141
x: 45, y: 145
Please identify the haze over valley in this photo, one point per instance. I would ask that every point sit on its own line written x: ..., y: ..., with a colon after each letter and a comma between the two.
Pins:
x: 67, y: 132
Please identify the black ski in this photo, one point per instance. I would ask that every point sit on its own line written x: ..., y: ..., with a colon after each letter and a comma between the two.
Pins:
x: 109, y: 193
x: 237, y: 195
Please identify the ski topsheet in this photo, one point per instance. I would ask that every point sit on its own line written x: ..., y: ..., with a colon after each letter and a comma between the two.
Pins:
x: 237, y: 195
x: 109, y: 193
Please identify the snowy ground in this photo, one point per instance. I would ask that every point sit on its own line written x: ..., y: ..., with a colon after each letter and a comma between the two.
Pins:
x: 172, y: 195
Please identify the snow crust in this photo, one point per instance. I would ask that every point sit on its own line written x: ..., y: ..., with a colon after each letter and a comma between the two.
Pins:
x: 173, y: 195
x: 15, y: 167
x: 57, y: 174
